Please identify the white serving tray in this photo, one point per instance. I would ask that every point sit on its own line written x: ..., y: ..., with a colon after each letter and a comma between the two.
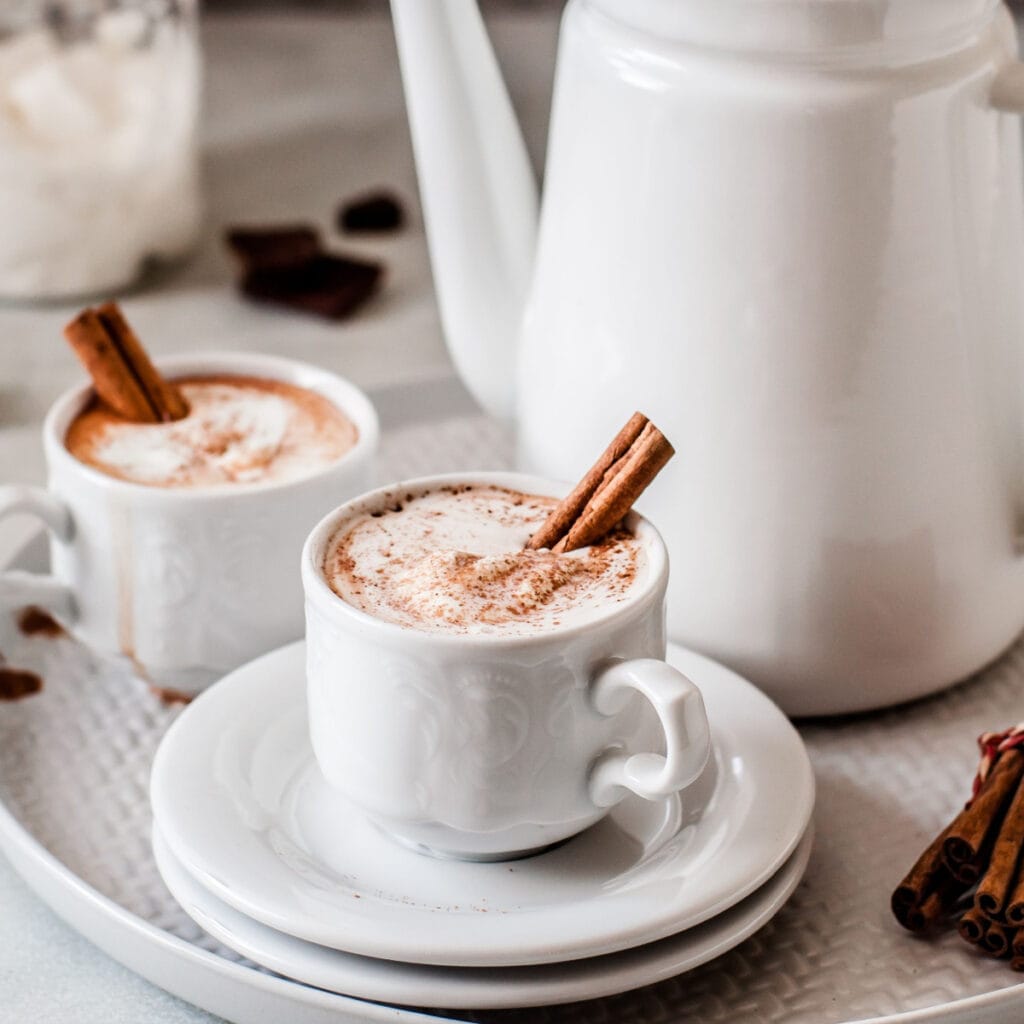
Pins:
x: 75, y: 823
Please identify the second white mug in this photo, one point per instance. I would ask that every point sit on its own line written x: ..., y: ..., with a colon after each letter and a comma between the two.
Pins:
x: 188, y: 582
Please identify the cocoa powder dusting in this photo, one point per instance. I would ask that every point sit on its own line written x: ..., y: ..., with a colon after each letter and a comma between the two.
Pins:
x: 453, y: 559
x: 35, y: 621
x: 240, y: 430
x: 17, y: 683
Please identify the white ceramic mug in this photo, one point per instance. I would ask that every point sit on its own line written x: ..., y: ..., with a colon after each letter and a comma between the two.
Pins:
x: 488, y: 747
x: 189, y: 582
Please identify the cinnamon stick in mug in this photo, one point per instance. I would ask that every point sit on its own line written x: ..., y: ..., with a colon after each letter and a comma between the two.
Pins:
x: 121, y: 371
x: 569, y: 508
x: 608, y: 490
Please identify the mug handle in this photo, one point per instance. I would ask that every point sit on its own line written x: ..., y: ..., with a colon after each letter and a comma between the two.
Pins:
x: 17, y: 588
x: 680, y: 708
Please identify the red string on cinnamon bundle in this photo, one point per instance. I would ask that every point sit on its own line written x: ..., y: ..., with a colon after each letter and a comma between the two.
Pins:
x: 972, y: 873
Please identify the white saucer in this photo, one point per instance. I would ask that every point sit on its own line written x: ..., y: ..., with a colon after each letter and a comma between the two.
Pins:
x: 481, y: 988
x: 239, y: 800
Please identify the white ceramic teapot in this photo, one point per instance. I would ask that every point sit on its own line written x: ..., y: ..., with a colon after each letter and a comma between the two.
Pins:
x: 792, y: 233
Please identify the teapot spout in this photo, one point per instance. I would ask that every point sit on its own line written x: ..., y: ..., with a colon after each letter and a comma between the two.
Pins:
x: 477, y: 187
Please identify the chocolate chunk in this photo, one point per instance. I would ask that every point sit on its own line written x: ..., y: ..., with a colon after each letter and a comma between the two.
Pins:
x: 328, y: 286
x: 15, y: 684
x: 35, y: 620
x: 374, y: 211
x: 273, y: 248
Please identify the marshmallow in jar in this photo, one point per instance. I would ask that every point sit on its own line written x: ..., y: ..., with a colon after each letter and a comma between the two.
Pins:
x: 98, y: 152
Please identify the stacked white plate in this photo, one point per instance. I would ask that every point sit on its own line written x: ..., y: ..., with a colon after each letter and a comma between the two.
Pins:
x: 267, y: 859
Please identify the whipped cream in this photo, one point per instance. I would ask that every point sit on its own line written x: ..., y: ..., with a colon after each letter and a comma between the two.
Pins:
x: 239, y: 430
x: 453, y: 561
x: 98, y: 157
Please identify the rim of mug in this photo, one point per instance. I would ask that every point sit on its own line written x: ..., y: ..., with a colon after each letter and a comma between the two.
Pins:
x: 318, y: 589
x: 340, y: 391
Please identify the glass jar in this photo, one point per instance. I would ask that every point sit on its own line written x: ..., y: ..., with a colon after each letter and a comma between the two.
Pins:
x: 98, y: 149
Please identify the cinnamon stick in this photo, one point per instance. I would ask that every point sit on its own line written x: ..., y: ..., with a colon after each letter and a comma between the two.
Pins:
x: 609, y: 489
x: 972, y: 926
x: 969, y: 872
x: 991, y: 897
x: 569, y: 508
x: 978, y: 824
x: 998, y: 940
x: 1015, y: 904
x: 121, y: 371
x: 922, y: 879
x: 985, y: 839
x: 937, y: 905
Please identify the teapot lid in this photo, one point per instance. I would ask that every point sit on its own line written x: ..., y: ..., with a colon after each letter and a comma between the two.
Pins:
x: 802, y: 26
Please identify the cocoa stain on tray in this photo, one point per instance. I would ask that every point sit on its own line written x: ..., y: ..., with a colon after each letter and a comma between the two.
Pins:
x: 16, y: 683
x: 35, y: 621
x: 169, y: 695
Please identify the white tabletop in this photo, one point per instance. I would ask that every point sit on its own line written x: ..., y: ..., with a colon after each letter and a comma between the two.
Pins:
x: 301, y: 110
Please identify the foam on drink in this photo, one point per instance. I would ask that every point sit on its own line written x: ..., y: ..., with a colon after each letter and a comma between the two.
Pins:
x: 452, y: 560
x: 239, y: 430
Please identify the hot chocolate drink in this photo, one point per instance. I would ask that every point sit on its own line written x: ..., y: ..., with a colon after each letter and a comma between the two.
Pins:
x: 452, y: 560
x: 239, y: 430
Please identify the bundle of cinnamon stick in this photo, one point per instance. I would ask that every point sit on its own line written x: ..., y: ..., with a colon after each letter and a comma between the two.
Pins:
x: 608, y: 491
x: 972, y: 874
